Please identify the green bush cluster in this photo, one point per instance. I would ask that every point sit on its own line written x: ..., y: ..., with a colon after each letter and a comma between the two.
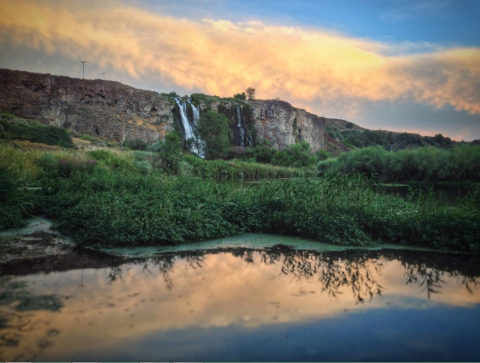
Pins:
x: 459, y: 163
x: 13, y: 128
x: 136, y: 144
x: 18, y: 172
x: 295, y: 155
x: 389, y: 140
x: 214, y: 131
x: 110, y: 208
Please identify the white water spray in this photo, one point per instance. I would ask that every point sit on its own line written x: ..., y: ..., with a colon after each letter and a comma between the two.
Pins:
x: 197, y: 145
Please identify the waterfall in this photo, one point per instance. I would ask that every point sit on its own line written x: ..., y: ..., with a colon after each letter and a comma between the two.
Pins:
x: 197, y: 144
x: 196, y: 113
x: 239, y: 125
x: 242, y: 129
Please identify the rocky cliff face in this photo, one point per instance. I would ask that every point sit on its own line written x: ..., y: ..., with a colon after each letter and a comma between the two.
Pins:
x: 99, y: 108
x: 283, y: 125
x: 117, y: 112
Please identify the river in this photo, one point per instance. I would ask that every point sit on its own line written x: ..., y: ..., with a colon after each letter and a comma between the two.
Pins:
x: 242, y: 304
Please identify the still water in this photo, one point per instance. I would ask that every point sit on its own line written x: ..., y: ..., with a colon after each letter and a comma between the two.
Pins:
x: 242, y: 305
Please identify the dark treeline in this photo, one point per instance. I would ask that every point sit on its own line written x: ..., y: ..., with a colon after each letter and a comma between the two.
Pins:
x: 461, y: 163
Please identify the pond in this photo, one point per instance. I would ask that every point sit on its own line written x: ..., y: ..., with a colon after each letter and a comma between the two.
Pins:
x: 242, y: 304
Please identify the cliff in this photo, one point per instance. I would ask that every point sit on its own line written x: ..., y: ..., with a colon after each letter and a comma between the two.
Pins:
x: 98, y: 108
x: 118, y: 112
x: 283, y: 124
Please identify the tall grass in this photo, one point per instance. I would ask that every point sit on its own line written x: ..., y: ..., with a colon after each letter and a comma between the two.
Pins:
x: 109, y: 208
x: 233, y: 169
x: 424, y: 164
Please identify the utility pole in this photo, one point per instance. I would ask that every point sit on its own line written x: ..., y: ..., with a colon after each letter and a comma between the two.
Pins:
x: 83, y: 65
x: 103, y: 76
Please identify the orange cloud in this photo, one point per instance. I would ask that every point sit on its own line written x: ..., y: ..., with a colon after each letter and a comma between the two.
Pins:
x: 220, y: 57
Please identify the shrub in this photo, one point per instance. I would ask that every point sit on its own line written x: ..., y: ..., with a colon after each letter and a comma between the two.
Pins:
x: 20, y: 129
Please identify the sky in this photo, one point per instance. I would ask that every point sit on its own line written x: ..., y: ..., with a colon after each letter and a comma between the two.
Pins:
x: 399, y: 65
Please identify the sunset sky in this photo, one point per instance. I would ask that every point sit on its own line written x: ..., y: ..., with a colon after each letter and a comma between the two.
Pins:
x: 384, y: 64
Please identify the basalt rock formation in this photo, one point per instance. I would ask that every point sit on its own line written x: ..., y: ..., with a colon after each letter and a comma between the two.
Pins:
x: 116, y: 112
x: 98, y: 108
x: 283, y: 125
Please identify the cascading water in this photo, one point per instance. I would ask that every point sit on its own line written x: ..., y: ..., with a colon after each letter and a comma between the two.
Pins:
x: 239, y: 125
x: 197, y: 145
x: 196, y: 113
x: 242, y: 129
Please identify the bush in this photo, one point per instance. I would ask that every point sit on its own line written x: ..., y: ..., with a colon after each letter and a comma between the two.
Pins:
x: 136, y: 144
x: 431, y: 164
x: 20, y: 129
x: 117, y: 209
x: 17, y: 172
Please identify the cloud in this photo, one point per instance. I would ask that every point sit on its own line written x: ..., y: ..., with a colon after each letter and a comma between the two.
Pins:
x: 302, y: 65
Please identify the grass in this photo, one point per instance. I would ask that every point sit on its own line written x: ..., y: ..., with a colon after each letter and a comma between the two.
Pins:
x: 118, y: 201
x: 426, y: 164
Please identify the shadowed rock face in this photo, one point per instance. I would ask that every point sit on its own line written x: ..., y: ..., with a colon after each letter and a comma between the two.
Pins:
x: 283, y: 125
x: 99, y: 108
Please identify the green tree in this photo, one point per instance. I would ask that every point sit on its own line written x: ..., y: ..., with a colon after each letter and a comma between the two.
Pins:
x: 250, y: 93
x: 240, y: 96
x: 171, y: 151
x: 214, y: 131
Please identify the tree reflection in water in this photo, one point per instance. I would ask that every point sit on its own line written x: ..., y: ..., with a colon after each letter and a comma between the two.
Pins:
x: 335, y: 271
x: 357, y: 272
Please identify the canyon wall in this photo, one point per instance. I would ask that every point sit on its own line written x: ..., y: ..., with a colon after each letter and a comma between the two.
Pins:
x: 98, y: 108
x: 283, y: 125
x: 117, y: 112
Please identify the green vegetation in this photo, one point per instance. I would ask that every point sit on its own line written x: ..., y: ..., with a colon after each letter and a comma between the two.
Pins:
x: 136, y: 144
x: 461, y: 163
x: 240, y: 96
x: 214, y: 131
x: 390, y: 140
x: 295, y: 155
x: 111, y: 198
x: 171, y: 151
x: 233, y: 169
x: 14, y: 128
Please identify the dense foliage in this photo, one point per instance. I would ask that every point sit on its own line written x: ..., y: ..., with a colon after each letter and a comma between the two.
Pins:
x: 389, y: 140
x: 214, y: 131
x: 107, y: 198
x: 14, y: 128
x: 460, y: 163
x: 294, y: 155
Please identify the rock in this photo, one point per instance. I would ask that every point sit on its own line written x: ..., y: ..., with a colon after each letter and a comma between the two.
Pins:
x: 283, y: 125
x: 117, y: 112
x: 99, y: 108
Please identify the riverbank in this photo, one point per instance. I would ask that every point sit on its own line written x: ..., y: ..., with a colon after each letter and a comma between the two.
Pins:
x: 107, y: 199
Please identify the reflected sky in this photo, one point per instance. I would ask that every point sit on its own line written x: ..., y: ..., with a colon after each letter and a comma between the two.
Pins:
x: 249, y: 305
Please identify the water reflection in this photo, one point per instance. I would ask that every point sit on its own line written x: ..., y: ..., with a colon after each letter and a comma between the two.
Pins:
x: 17, y: 319
x: 92, y: 312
